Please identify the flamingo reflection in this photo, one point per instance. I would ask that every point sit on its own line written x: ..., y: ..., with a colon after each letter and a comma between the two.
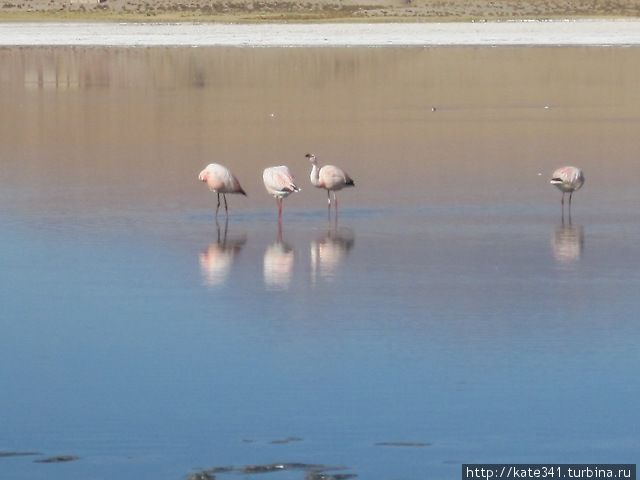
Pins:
x: 278, y: 263
x: 329, y: 251
x: 567, y: 242
x: 216, y: 260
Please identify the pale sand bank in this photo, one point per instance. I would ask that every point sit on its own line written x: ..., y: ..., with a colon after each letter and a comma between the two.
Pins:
x: 597, y: 32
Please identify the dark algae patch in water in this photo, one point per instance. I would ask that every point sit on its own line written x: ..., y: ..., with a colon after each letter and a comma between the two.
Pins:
x: 18, y: 454
x: 58, y: 459
x: 204, y: 475
x: 402, y: 444
x: 329, y: 476
x: 279, y: 467
x: 311, y: 471
x: 284, y: 441
x: 209, y: 473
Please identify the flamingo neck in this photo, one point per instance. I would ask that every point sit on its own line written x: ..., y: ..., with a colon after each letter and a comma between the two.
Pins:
x: 315, y: 175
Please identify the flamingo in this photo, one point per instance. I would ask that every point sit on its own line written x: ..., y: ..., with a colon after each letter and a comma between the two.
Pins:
x: 568, y: 180
x: 329, y: 177
x: 220, y: 180
x: 279, y: 182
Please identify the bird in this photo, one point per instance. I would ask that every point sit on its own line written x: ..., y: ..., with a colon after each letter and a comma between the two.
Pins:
x: 220, y: 180
x: 568, y: 180
x: 329, y: 177
x: 280, y: 183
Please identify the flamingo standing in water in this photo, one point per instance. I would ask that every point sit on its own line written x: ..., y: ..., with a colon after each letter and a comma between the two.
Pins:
x: 220, y: 180
x: 329, y: 177
x: 568, y: 180
x: 279, y: 182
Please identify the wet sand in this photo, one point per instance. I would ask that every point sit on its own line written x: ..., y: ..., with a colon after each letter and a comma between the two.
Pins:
x: 599, y: 32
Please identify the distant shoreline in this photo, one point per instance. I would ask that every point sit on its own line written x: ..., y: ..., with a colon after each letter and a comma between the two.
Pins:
x: 258, y: 11
x: 573, y: 32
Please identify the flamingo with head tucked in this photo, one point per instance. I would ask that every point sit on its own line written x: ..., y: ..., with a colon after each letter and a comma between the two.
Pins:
x: 329, y: 177
x: 220, y: 180
x: 280, y: 183
x: 568, y: 180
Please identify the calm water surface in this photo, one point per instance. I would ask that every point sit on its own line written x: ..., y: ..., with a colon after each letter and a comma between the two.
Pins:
x: 450, y: 306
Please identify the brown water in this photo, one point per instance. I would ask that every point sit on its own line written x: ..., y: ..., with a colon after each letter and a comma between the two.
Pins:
x: 452, y: 306
x: 138, y: 123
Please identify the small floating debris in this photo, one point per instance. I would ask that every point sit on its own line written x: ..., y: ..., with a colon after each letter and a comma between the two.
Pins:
x: 273, y: 467
x: 18, y: 454
x: 209, y: 473
x: 204, y: 475
x: 58, y: 459
x: 284, y: 441
x: 402, y: 444
x: 215, y: 470
x: 280, y: 467
x: 329, y: 476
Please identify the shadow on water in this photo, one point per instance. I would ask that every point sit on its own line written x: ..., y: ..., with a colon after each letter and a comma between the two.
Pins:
x: 567, y: 241
x: 217, y: 259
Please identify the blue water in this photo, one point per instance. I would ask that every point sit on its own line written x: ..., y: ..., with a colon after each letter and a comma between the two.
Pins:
x: 151, y: 341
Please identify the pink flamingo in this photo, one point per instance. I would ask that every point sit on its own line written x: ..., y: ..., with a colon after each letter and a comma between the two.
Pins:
x: 279, y: 182
x: 329, y: 177
x: 220, y: 180
x: 568, y: 180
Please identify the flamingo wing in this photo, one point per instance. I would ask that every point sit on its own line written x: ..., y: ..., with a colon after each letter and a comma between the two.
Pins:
x: 279, y: 180
x: 334, y: 178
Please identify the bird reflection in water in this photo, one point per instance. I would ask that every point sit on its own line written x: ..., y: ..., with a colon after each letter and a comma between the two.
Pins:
x: 329, y: 251
x: 216, y: 260
x: 567, y: 242
x: 278, y: 263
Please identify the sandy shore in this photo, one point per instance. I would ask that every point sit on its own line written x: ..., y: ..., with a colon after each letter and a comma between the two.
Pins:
x: 597, y: 32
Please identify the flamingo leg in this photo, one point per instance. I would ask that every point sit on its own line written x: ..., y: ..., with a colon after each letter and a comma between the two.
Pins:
x: 279, y: 239
x: 335, y: 200
x: 226, y: 209
x: 562, y: 201
x: 226, y: 226
x: 328, y: 197
x: 279, y: 203
x: 218, y: 206
x: 570, y: 196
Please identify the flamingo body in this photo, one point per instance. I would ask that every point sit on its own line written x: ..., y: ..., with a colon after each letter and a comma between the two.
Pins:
x: 568, y: 180
x: 220, y: 180
x: 280, y: 183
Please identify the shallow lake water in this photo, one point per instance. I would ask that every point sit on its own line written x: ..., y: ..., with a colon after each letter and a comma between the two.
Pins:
x: 451, y: 313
